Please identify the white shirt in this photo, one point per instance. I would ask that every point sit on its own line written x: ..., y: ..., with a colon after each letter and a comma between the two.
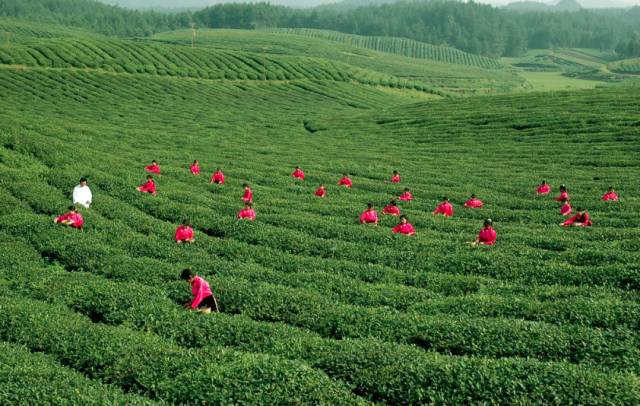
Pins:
x: 82, y: 196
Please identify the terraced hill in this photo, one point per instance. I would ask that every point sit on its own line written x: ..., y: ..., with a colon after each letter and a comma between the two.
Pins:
x: 400, y: 46
x: 431, y: 73
x: 132, y: 57
x: 627, y: 66
x: 316, y: 308
x: 11, y: 29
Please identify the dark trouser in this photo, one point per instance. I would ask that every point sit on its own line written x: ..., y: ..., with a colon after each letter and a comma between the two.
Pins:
x: 207, y: 302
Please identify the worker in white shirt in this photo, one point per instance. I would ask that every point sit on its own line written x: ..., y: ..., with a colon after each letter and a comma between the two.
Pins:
x: 82, y: 194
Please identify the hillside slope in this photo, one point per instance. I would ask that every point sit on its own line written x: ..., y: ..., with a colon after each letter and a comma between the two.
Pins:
x: 316, y: 308
x: 447, y: 77
x: 400, y: 46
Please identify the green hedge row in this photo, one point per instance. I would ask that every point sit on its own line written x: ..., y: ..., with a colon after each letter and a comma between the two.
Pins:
x: 378, y: 371
x: 144, y: 364
x: 32, y: 378
x: 610, y: 349
x: 154, y: 58
x: 603, y: 314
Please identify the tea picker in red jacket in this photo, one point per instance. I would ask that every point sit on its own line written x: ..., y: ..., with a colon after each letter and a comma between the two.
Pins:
x: 404, y: 227
x: 217, y: 177
x: 298, y: 173
x: 563, y: 194
x: 391, y: 209
x: 184, y: 233
x: 247, y: 197
x: 406, y: 196
x: 473, y: 203
x: 395, y: 178
x: 445, y: 208
x: 581, y: 219
x: 203, y: 299
x: 610, y: 195
x: 566, y: 209
x: 148, y: 187
x: 544, y: 188
x: 195, y: 167
x: 247, y: 213
x: 345, y: 181
x: 486, y: 236
x: 153, y: 168
x: 369, y: 216
x: 71, y: 219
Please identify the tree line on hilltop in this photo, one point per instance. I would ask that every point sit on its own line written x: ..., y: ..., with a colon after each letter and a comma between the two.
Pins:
x: 476, y: 28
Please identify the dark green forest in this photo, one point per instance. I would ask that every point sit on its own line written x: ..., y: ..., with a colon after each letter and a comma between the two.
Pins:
x: 471, y: 27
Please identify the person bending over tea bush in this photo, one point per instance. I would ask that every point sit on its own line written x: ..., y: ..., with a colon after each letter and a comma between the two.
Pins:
x: 203, y: 299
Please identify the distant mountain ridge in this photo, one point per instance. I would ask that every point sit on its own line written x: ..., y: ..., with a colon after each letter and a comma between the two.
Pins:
x: 522, y: 5
x: 564, y: 5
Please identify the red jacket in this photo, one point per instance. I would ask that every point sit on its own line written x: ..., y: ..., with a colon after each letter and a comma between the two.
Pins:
x: 249, y: 214
x: 405, y: 197
x: 248, y: 195
x: 195, y: 169
x: 610, y: 196
x: 369, y: 216
x: 487, y: 236
x: 544, y: 189
x: 395, y: 179
x: 200, y: 290
x: 184, y: 233
x: 406, y: 229
x: 153, y: 168
x: 321, y: 192
x: 218, y: 177
x: 298, y: 174
x: 75, y: 218
x: 149, y: 187
x: 583, y: 221
x: 391, y: 209
x: 474, y: 204
x: 563, y: 195
x: 346, y: 182
x: 565, y: 210
x: 444, y: 208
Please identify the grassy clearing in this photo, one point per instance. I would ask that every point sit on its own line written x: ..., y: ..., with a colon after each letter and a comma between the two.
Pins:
x: 548, y: 81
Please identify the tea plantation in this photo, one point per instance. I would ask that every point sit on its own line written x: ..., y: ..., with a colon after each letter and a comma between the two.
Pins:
x: 315, y: 308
